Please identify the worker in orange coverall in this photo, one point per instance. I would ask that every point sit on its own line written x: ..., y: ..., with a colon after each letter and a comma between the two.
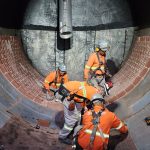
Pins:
x: 95, y: 68
x: 55, y: 78
x: 74, y: 95
x: 96, y: 125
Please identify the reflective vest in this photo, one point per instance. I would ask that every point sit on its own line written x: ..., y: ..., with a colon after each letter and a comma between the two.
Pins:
x: 94, y: 65
x: 80, y: 89
x: 54, y: 80
x: 107, y: 121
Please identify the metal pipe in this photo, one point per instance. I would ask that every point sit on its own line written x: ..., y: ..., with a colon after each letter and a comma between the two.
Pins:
x: 65, y: 19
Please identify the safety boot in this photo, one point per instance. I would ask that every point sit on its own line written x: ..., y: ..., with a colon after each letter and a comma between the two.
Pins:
x: 106, y: 89
x: 65, y: 141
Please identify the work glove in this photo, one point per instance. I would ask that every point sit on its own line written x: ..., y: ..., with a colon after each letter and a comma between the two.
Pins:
x: 108, y: 73
x: 58, y: 96
x: 102, y: 68
x: 49, y: 96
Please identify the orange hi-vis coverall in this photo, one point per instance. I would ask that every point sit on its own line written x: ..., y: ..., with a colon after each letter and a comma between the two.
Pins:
x: 74, y: 116
x: 107, y: 121
x: 81, y: 89
x: 93, y: 63
x: 54, y: 80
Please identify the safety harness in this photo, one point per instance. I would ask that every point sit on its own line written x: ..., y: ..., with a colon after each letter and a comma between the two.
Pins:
x: 93, y: 71
x: 55, y: 80
x: 65, y: 93
x: 95, y: 121
x: 96, y: 129
x: 95, y: 132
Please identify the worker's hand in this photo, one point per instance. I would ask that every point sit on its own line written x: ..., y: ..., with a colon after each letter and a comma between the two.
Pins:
x: 102, y: 68
x: 124, y: 122
x: 71, y: 106
x: 85, y: 79
x: 109, y: 75
x: 68, y: 98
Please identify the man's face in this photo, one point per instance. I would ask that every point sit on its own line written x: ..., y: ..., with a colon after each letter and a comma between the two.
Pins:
x: 101, y: 52
x: 62, y: 72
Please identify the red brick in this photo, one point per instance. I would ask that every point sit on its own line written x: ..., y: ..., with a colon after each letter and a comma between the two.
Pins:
x: 9, y: 77
x: 15, y: 84
x: 147, y: 64
x: 143, y: 72
x: 129, y: 88
x: 38, y: 100
x: 136, y: 80
x: 30, y: 96
x: 44, y: 123
x: 147, y: 38
x: 3, y: 69
x: 22, y: 89
x: 137, y: 40
x: 120, y: 94
x: 142, y: 38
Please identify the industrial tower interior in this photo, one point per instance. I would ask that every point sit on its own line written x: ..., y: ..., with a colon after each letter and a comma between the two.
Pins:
x: 36, y: 36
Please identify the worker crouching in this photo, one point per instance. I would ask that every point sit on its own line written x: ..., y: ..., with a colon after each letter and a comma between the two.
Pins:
x: 55, y: 78
x: 96, y: 125
x: 53, y: 81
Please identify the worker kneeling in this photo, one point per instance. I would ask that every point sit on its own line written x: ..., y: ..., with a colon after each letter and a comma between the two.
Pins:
x: 96, y: 125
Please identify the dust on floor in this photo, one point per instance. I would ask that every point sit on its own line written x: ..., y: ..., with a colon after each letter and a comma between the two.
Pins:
x: 20, y: 135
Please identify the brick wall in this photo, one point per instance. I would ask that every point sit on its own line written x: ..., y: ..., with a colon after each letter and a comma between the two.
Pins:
x: 16, y: 68
x: 134, y: 70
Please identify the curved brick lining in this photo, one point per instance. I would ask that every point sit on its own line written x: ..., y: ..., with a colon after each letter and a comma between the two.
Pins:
x: 134, y: 70
x: 15, y: 67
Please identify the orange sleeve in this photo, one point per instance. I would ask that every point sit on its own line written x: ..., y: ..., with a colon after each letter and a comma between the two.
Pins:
x: 50, y: 78
x: 66, y: 78
x: 119, y: 125
x: 88, y: 66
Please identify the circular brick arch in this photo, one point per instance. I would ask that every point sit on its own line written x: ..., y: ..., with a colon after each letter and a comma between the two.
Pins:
x: 16, y: 68
x: 134, y: 69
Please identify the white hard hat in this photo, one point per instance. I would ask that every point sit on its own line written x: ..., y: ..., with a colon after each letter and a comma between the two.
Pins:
x: 103, y: 45
x: 97, y: 98
x: 62, y: 68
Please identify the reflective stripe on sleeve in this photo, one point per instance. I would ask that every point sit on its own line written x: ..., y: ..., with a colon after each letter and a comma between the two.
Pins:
x: 81, y: 100
x: 120, y: 125
x: 93, y: 68
x: 83, y: 89
x: 87, y: 67
x: 97, y: 133
x: 46, y: 81
x: 57, y: 84
x: 68, y: 128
